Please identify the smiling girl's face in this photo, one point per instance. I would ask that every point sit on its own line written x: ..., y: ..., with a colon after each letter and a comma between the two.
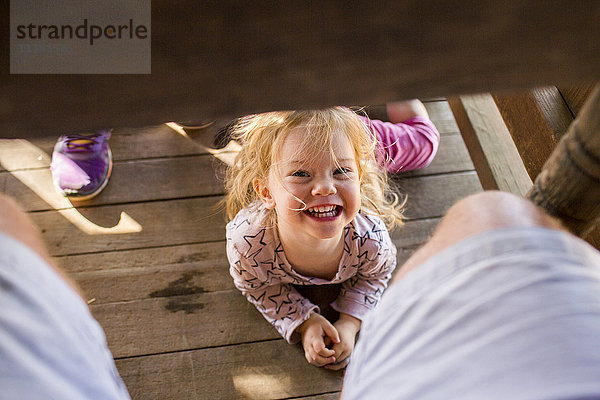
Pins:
x: 314, y: 195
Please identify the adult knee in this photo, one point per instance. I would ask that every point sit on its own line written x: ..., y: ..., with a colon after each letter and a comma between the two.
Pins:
x: 476, y: 214
x: 493, y: 209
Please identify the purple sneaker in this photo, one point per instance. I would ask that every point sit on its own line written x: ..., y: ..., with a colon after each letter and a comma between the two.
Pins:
x: 81, y: 164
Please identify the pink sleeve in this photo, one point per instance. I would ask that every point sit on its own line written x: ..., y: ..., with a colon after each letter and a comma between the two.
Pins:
x: 404, y: 146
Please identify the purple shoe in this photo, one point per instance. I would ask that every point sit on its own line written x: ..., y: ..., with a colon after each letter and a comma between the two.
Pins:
x: 81, y: 164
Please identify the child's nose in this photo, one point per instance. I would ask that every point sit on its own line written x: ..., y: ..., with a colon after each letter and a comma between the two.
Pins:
x: 324, y: 187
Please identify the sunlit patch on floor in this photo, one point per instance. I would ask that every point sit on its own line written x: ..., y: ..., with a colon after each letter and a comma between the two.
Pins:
x: 227, y: 154
x: 261, y: 386
x: 30, y: 165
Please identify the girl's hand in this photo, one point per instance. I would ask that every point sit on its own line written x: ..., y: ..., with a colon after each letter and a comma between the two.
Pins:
x: 317, y: 333
x: 347, y: 327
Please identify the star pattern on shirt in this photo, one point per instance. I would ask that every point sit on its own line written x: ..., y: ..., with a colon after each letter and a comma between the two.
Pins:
x: 254, y: 282
x: 296, y: 280
x: 346, y: 241
x: 281, y: 298
x: 370, y: 300
x: 279, y: 248
x: 255, y: 243
x: 382, y: 267
x: 273, y: 274
x: 362, y: 239
x: 238, y: 267
x: 373, y: 298
x: 266, y: 264
x: 263, y: 271
x: 255, y: 247
x: 239, y: 224
x: 353, y: 280
x: 363, y: 258
x: 258, y: 299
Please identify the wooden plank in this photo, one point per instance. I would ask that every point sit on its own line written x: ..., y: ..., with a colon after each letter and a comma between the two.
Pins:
x: 175, y: 323
x: 328, y: 396
x: 268, y: 370
x: 452, y: 156
x: 167, y: 178
x: 162, y: 141
x: 441, y: 116
x: 162, y: 223
x: 575, y: 96
x: 126, y: 144
x: 202, y: 255
x: 476, y: 153
x: 492, y: 149
x: 431, y: 196
x: 127, y: 275
x: 131, y: 181
x: 366, y: 57
x: 534, y: 135
x: 167, y: 318
x: 569, y: 185
x: 194, y: 220
x: 146, y: 273
x: 553, y: 107
x: 414, y: 233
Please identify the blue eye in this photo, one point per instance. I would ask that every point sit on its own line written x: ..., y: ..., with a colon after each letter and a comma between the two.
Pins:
x: 299, y: 173
x: 341, y: 170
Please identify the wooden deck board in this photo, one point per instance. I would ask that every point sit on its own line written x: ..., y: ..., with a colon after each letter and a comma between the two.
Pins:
x: 176, y: 323
x: 181, y: 177
x: 161, y: 141
x: 172, y: 317
x: 193, y: 220
x: 272, y: 369
x: 119, y: 276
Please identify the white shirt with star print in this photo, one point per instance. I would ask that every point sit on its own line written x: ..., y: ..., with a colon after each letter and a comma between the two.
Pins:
x: 262, y: 273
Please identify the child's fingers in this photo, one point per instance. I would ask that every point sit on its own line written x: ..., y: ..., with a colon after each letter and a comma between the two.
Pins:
x: 331, y: 332
x: 317, y: 354
x: 315, y: 359
x: 340, y: 351
x: 338, y: 365
x: 323, y: 351
x: 322, y: 354
x: 319, y: 361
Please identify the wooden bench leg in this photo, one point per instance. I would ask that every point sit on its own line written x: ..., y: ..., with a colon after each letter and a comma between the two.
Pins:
x: 569, y: 185
x: 495, y: 157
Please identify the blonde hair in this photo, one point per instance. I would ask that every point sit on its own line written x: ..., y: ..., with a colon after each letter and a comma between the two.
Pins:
x: 263, y: 135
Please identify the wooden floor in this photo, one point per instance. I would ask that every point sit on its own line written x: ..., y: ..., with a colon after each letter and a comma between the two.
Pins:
x: 149, y: 253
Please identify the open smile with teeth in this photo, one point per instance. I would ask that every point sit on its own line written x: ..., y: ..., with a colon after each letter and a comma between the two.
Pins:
x: 324, y: 211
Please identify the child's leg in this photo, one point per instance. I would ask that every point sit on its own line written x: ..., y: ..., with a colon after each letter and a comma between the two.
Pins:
x: 409, y: 141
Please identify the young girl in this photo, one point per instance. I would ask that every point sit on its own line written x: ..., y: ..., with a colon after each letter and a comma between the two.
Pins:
x: 309, y: 206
